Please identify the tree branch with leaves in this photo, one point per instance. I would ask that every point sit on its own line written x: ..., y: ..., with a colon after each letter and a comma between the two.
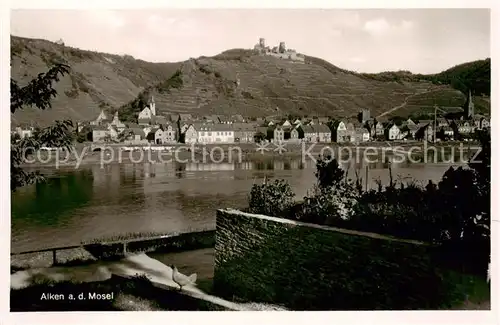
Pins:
x: 37, y: 93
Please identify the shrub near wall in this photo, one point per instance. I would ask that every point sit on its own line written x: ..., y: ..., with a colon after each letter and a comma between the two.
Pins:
x: 311, y: 267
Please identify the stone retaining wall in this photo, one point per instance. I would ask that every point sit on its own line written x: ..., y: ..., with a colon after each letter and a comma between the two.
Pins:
x: 310, y: 267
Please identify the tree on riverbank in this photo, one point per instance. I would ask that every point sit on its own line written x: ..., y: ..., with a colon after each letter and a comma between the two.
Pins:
x: 37, y: 93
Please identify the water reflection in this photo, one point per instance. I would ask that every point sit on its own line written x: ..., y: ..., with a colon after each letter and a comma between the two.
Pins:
x: 92, y: 202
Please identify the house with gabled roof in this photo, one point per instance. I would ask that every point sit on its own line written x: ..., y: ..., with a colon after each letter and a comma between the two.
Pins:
x: 101, y: 119
x: 145, y: 115
x: 292, y: 134
x: 392, y: 132
x: 307, y: 133
x: 155, y: 136
x: 339, y: 132
x: 117, y: 123
x: 169, y: 133
x: 323, y: 132
x: 425, y: 131
x: 362, y: 134
x: 278, y: 133
x: 379, y: 130
x: 190, y: 135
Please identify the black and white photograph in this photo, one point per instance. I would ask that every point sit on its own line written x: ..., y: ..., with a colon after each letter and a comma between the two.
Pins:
x: 246, y: 159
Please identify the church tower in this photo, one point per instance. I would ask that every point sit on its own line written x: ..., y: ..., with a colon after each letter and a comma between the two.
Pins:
x: 152, y: 106
x: 469, y: 107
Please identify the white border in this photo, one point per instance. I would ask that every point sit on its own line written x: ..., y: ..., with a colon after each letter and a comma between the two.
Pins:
x: 413, y: 317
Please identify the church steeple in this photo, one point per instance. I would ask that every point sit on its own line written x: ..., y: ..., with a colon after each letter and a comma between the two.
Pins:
x: 469, y: 106
x: 152, y: 105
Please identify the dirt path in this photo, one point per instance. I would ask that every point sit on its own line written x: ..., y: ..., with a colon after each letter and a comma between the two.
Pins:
x: 406, y: 102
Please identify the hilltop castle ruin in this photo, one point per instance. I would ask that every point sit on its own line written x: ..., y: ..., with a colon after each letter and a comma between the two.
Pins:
x: 278, y: 51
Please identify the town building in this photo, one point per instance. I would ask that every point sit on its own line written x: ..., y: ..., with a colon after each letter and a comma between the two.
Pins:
x: 340, y: 133
x: 101, y: 119
x: 24, y: 131
x: 120, y: 126
x: 278, y: 134
x: 324, y: 134
x: 214, y: 133
x: 307, y: 133
x: 294, y: 135
x: 462, y: 127
x: 362, y: 134
x: 100, y: 133
x: 393, y: 132
x: 190, y: 134
x: 244, y: 132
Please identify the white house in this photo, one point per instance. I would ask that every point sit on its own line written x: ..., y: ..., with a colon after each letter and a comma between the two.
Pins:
x: 184, y: 126
x: 191, y: 134
x: 393, y: 132
x: 145, y: 114
x: 286, y: 124
x: 215, y: 133
x: 119, y: 124
x: 155, y: 136
x: 24, y: 132
x: 99, y: 133
x: 113, y: 132
x: 147, y: 129
x: 169, y: 133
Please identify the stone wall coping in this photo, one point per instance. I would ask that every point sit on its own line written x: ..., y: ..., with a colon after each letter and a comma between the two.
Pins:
x: 235, y: 212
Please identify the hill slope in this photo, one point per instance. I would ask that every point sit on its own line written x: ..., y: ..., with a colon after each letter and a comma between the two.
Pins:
x: 233, y: 82
x: 96, y: 80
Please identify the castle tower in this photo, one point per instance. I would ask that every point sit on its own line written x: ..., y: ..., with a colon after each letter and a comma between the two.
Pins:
x: 262, y: 42
x: 469, y: 107
x: 152, y: 106
x: 282, y: 48
x: 365, y: 115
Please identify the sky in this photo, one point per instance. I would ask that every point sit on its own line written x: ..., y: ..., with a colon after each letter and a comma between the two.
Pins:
x: 366, y: 40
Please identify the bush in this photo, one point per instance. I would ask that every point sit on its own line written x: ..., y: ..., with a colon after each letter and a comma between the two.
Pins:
x: 175, y: 81
x: 329, y: 206
x: 453, y: 214
x: 271, y: 198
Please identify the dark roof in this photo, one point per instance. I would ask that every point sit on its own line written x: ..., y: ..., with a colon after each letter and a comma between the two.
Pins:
x: 243, y: 127
x: 321, y: 128
x: 136, y: 131
x: 307, y: 129
x: 144, y: 120
x: 159, y: 119
x: 99, y: 128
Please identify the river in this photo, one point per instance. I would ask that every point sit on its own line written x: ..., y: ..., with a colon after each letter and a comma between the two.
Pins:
x: 92, y: 202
